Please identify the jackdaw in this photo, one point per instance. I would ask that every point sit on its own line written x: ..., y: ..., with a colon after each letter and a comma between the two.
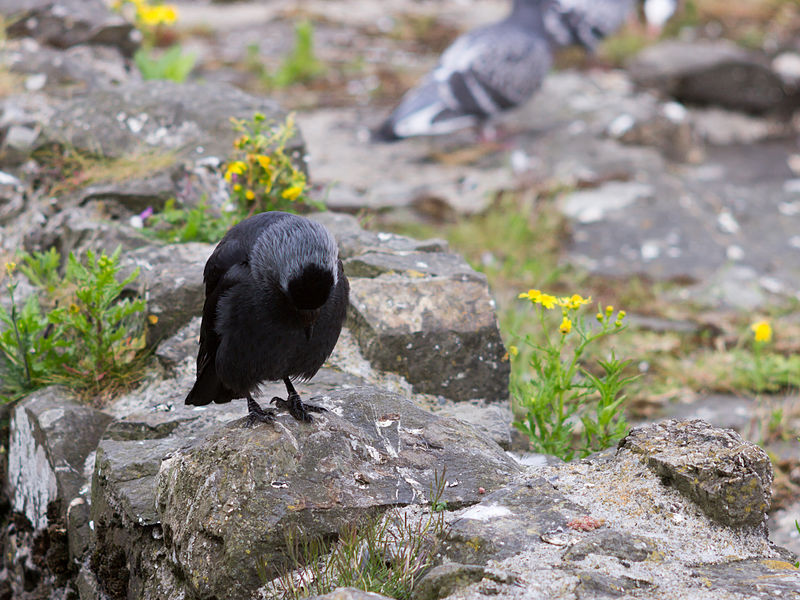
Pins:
x: 276, y: 299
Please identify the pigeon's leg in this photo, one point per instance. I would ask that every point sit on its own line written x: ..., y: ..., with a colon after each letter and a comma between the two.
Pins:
x: 256, y: 414
x: 294, y: 405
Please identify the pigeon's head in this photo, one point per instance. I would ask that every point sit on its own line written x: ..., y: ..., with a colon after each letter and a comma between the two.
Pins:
x: 300, y: 258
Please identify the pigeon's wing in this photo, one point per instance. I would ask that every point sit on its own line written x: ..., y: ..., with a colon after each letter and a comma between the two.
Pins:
x: 585, y: 22
x: 483, y: 72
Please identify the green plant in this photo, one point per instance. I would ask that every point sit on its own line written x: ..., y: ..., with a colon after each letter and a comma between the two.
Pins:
x: 383, y: 554
x: 93, y: 342
x: 195, y: 224
x: 173, y: 63
x: 300, y: 65
x: 28, y: 353
x: 559, y: 390
x: 41, y: 269
x: 151, y: 19
x: 264, y: 177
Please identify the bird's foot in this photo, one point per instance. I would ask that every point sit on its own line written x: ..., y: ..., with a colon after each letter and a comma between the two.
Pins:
x: 297, y: 408
x: 256, y: 414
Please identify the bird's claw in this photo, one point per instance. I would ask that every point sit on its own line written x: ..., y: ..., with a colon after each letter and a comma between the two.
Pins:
x: 297, y: 408
x: 256, y: 414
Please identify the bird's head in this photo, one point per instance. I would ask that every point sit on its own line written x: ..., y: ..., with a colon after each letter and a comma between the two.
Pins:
x: 299, y: 257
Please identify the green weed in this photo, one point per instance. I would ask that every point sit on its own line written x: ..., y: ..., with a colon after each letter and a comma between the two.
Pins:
x: 386, y: 554
x: 300, y: 65
x: 180, y: 225
x: 558, y: 390
x: 91, y: 341
x: 173, y: 63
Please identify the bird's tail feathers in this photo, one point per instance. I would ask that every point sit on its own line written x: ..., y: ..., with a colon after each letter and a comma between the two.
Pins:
x: 207, y: 389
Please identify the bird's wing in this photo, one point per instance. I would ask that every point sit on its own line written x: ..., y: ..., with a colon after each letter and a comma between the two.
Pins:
x: 220, y: 274
x: 585, y: 22
x: 483, y: 72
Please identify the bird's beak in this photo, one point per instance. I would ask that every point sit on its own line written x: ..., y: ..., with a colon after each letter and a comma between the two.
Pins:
x: 308, y: 318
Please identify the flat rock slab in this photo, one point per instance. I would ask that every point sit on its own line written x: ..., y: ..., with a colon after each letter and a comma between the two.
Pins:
x: 190, y: 119
x: 730, y: 479
x: 227, y: 503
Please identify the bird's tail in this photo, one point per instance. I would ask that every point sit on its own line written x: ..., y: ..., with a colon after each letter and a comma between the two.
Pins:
x: 207, y: 389
x: 385, y: 133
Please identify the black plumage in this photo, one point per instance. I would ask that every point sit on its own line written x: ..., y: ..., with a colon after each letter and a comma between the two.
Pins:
x: 276, y: 299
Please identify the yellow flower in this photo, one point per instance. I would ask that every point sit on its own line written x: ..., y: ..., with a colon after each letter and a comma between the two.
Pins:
x: 159, y: 14
x: 762, y: 331
x: 264, y: 161
x: 249, y: 194
x: 599, y: 316
x: 609, y: 310
x: 574, y: 301
x: 11, y: 267
x: 73, y: 308
x: 566, y: 326
x: 153, y: 319
x: 513, y: 350
x: 237, y: 167
x: 547, y: 301
x: 531, y: 295
x: 237, y: 187
x: 291, y: 193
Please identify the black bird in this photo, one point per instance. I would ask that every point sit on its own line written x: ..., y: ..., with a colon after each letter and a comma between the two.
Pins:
x: 276, y: 299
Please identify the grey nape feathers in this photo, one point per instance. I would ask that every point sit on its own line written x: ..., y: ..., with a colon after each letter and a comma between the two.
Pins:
x: 276, y: 299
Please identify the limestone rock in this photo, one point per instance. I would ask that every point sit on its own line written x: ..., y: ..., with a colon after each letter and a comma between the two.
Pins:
x: 226, y: 504
x: 726, y: 476
x: 349, y: 593
x: 443, y: 580
x: 69, y: 22
x: 51, y: 452
x: 524, y: 514
x: 715, y: 72
x: 189, y: 119
x: 171, y: 281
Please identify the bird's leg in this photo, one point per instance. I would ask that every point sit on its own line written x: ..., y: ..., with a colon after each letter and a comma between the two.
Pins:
x: 294, y: 405
x: 256, y: 414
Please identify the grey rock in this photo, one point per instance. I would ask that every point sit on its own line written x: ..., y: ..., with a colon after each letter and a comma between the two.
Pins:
x: 443, y: 580
x: 718, y: 73
x: 491, y: 419
x: 439, y: 333
x: 524, y: 514
x: 68, y: 23
x: 171, y: 281
x: 349, y: 593
x: 726, y: 476
x: 82, y: 228
x: 613, y: 543
x: 191, y: 120
x: 52, y: 436
x: 752, y: 577
x: 12, y: 197
x: 354, y: 241
x: 595, y: 585
x: 180, y: 346
x: 76, y: 68
x: 412, y: 264
x: 246, y: 488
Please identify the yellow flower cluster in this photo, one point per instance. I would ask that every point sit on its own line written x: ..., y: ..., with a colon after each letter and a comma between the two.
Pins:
x: 10, y: 268
x: 566, y: 302
x: 762, y: 331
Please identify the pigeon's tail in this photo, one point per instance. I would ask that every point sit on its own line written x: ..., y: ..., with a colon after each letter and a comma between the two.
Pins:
x: 385, y: 133
x: 423, y: 111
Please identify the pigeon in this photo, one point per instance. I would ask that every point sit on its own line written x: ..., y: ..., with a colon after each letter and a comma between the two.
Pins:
x: 276, y: 299
x: 497, y: 67
x: 585, y: 22
x: 588, y: 22
x: 483, y: 72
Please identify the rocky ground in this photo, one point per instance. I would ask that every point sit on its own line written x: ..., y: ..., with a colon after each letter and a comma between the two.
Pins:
x: 670, y: 187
